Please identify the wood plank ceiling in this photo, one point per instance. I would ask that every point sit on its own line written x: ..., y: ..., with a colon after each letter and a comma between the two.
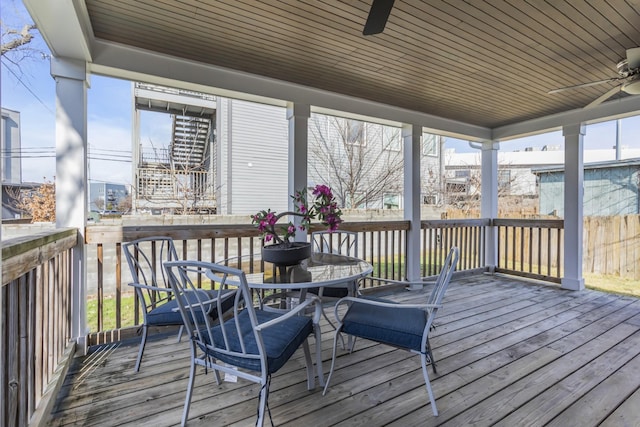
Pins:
x: 489, y: 63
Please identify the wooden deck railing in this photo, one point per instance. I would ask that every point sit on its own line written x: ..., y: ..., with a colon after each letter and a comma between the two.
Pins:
x: 383, y: 244
x: 35, y: 341
x: 530, y: 248
x: 113, y: 307
x: 439, y: 235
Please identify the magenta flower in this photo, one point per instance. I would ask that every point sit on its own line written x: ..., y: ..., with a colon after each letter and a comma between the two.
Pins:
x: 324, y: 208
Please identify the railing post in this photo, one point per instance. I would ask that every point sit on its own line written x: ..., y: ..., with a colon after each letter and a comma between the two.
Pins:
x: 71, y: 177
x: 411, y: 135
x: 489, y: 201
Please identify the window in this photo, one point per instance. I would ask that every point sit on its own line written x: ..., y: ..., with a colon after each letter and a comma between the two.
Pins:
x: 391, y: 201
x: 430, y: 199
x: 504, y: 180
x: 391, y: 138
x: 358, y: 197
x: 430, y: 144
x: 354, y: 132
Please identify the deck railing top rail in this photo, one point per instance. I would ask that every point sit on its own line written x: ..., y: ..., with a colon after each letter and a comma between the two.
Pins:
x: 536, y: 223
x: 22, y: 254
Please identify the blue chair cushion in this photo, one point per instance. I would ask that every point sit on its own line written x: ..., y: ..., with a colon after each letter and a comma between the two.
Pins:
x: 399, y: 327
x: 280, y: 341
x: 167, y: 313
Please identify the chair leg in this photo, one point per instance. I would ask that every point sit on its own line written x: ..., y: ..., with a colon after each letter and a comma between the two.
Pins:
x: 423, y: 358
x: 192, y: 378
x: 431, y: 359
x: 333, y: 359
x: 264, y: 392
x: 318, y: 334
x: 143, y: 341
x: 180, y: 333
x: 307, y: 358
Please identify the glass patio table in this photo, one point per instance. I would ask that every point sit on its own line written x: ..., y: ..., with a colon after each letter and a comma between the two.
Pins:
x: 320, y: 270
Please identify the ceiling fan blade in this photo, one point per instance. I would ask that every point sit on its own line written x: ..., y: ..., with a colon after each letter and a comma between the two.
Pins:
x: 608, y: 94
x: 633, y: 58
x: 613, y: 79
x: 378, y: 15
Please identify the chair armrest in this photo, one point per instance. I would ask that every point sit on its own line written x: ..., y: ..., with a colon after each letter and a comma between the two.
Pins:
x: 300, y: 307
x: 211, y: 302
x: 394, y: 305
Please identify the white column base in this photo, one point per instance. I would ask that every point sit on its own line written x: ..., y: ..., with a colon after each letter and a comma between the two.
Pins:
x: 572, y: 284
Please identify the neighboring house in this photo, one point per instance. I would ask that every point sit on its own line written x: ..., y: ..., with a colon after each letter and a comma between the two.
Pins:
x: 243, y: 166
x: 11, y: 145
x: 515, y: 169
x: 177, y: 176
x: 107, y: 197
x: 610, y: 188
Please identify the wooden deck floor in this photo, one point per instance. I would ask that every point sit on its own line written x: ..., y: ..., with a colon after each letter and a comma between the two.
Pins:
x: 509, y: 353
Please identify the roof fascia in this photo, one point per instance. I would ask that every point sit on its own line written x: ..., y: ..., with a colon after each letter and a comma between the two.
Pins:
x: 612, y: 110
x: 65, y: 27
x: 126, y: 62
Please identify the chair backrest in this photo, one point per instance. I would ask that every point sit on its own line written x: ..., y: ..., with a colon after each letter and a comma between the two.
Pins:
x: 336, y: 242
x: 183, y: 278
x: 442, y: 282
x: 145, y: 257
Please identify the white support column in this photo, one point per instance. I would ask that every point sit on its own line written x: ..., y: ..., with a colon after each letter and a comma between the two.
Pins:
x: 298, y: 117
x: 411, y: 135
x: 573, y: 206
x: 489, y: 201
x: 71, y: 176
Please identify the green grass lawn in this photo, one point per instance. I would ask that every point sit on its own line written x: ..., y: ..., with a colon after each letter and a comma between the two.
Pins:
x: 613, y: 284
x: 605, y: 283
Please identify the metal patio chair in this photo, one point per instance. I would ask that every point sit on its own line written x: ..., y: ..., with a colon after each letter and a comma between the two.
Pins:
x: 159, y: 307
x: 405, y: 326
x: 255, y: 341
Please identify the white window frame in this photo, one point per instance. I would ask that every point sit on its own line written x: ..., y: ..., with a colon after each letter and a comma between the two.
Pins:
x: 363, y: 139
x: 430, y: 144
x: 391, y: 138
x: 387, y: 195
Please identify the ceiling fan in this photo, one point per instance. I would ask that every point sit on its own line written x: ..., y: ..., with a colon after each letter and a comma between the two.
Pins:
x: 378, y: 15
x: 629, y: 78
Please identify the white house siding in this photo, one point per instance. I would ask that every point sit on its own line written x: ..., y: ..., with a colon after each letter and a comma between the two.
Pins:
x: 372, y: 141
x: 256, y: 138
x: 10, y: 136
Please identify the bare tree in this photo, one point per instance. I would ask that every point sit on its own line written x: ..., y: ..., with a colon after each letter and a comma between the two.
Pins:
x: 99, y: 202
x: 360, y: 161
x: 39, y: 203
x: 16, y: 39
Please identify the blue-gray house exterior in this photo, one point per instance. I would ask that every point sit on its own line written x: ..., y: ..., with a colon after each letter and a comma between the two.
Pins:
x: 610, y: 188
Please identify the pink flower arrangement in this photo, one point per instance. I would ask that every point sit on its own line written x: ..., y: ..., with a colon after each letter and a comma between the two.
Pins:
x: 324, y: 208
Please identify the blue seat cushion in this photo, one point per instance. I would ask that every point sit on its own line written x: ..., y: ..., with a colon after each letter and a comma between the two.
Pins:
x: 167, y: 313
x: 280, y: 341
x: 399, y: 327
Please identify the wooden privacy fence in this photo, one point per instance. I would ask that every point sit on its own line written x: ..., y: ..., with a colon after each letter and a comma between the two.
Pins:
x: 612, y: 245
x: 35, y: 331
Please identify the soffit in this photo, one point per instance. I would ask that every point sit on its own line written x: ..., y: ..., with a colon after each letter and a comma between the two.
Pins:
x: 487, y: 63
